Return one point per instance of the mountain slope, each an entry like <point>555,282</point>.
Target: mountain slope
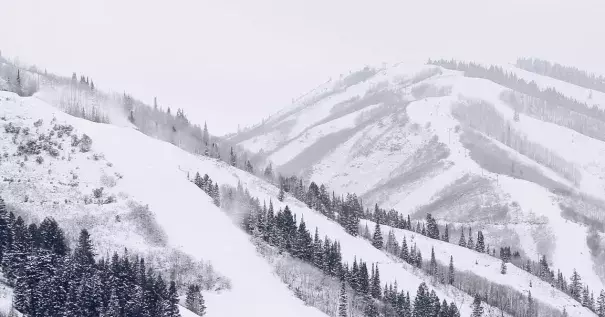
<point>422,138</point>
<point>151,176</point>
<point>156,175</point>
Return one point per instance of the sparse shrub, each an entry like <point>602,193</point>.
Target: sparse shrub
<point>64,128</point>
<point>110,200</point>
<point>53,152</point>
<point>108,181</point>
<point>97,192</point>
<point>31,147</point>
<point>97,156</point>
<point>75,141</point>
<point>87,200</point>
<point>38,123</point>
<point>85,143</point>
<point>39,159</point>
<point>51,133</point>
<point>26,131</point>
<point>10,128</point>
<point>109,164</point>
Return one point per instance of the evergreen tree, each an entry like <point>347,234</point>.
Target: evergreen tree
<point>477,308</point>
<point>84,255</point>
<point>194,301</point>
<point>233,158</point>
<point>371,310</point>
<point>575,287</point>
<point>451,273</point>
<point>281,194</point>
<point>453,311</point>
<point>377,241</point>
<point>342,301</point>
<point>531,310</point>
<point>446,234</point>
<point>422,302</point>
<point>206,136</point>
<point>376,289</point>
<point>600,309</point>
<point>470,244</point>
<point>480,247</point>
<point>433,267</point>
<point>405,252</point>
<point>462,241</point>
<point>503,268</point>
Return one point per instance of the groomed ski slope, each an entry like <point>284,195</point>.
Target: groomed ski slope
<point>188,216</point>
<point>489,268</point>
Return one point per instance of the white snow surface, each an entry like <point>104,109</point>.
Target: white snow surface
<point>155,173</point>
<point>386,161</point>
<point>488,267</point>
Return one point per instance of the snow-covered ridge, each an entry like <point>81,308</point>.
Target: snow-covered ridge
<point>191,222</point>
<point>421,151</point>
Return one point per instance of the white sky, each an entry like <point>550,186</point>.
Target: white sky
<point>234,62</point>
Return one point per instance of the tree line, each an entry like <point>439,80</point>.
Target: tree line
<point>568,74</point>
<point>331,205</point>
<point>498,75</point>
<point>50,279</point>
<point>282,230</point>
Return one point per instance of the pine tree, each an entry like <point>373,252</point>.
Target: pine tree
<point>503,268</point>
<point>342,301</point>
<point>194,301</point>
<point>575,287</point>
<point>405,252</point>
<point>462,241</point>
<point>233,158</point>
<point>371,310</point>
<point>453,311</point>
<point>531,310</point>
<point>470,244</point>
<point>433,267</point>
<point>477,308</point>
<point>5,234</point>
<point>446,234</point>
<point>422,302</point>
<point>281,194</point>
<point>600,305</point>
<point>377,240</point>
<point>480,247</point>
<point>171,308</point>
<point>451,273</point>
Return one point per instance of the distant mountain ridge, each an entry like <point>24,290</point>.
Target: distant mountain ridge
<point>499,148</point>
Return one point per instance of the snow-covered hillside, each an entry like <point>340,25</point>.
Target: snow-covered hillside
<point>151,173</point>
<point>423,138</point>
<point>393,134</point>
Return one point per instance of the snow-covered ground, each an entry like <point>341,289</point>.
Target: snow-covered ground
<point>153,175</point>
<point>411,157</point>
<point>488,267</point>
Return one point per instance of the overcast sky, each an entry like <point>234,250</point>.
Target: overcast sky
<point>234,62</point>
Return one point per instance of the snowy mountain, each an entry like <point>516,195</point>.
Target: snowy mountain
<point>514,153</point>
<point>378,133</point>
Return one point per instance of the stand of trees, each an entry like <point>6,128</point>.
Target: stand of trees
<point>512,81</point>
<point>332,206</point>
<point>568,74</point>
<point>49,279</point>
<point>281,229</point>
